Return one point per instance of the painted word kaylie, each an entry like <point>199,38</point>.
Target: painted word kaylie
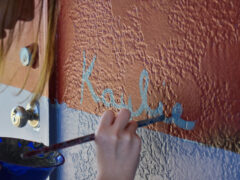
<point>176,111</point>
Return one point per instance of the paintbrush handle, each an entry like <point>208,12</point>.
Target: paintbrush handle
<point>147,122</point>
<point>85,139</point>
<point>61,145</point>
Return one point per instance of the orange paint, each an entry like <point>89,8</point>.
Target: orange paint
<point>190,46</point>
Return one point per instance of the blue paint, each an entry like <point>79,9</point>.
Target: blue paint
<point>40,155</point>
<point>176,111</point>
<point>0,140</point>
<point>31,145</point>
<point>19,144</point>
<point>176,118</point>
<point>85,76</point>
<point>163,83</point>
<point>14,171</point>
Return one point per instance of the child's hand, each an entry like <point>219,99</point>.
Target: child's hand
<point>118,146</point>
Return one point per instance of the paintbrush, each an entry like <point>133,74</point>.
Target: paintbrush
<point>84,139</point>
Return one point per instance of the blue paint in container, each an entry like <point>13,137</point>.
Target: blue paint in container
<point>13,167</point>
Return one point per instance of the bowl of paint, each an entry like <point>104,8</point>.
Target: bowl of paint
<point>13,166</point>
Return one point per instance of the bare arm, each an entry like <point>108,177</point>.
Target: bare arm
<point>118,146</point>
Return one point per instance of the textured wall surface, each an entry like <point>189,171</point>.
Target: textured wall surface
<point>177,57</point>
<point>162,156</point>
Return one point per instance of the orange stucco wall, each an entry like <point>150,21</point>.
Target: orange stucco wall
<point>190,50</point>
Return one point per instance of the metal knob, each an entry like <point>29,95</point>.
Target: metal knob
<point>26,54</point>
<point>21,116</point>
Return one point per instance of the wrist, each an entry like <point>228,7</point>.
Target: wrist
<point>102,176</point>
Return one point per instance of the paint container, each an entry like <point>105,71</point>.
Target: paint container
<point>38,167</point>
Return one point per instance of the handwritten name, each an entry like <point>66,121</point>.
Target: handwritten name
<point>176,110</point>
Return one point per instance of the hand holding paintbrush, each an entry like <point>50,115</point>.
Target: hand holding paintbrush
<point>117,144</point>
<point>85,139</point>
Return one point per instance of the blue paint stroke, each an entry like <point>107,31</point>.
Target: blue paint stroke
<point>85,76</point>
<point>163,83</point>
<point>19,144</point>
<point>176,118</point>
<point>176,111</point>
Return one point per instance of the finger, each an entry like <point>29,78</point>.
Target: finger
<point>122,119</point>
<point>132,127</point>
<point>107,119</point>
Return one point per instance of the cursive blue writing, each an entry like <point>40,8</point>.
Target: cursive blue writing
<point>176,111</point>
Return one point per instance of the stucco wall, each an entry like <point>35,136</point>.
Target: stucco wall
<point>162,156</point>
<point>177,57</point>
